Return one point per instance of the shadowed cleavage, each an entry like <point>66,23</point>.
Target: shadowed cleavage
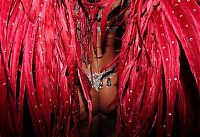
<point>104,113</point>
<point>104,91</point>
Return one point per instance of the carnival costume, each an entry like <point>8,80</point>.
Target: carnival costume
<point>44,42</point>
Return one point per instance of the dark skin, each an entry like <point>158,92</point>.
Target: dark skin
<point>104,112</point>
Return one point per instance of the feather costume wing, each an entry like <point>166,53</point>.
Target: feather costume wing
<point>40,63</point>
<point>38,58</point>
<point>159,55</point>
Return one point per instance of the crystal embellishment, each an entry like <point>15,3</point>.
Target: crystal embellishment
<point>96,79</point>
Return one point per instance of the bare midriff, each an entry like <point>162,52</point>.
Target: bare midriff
<point>103,100</point>
<point>104,113</point>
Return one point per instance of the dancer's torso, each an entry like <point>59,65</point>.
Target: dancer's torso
<point>103,99</point>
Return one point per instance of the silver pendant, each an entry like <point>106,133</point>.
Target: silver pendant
<point>109,82</point>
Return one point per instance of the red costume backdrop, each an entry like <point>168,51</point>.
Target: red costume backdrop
<point>42,45</point>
